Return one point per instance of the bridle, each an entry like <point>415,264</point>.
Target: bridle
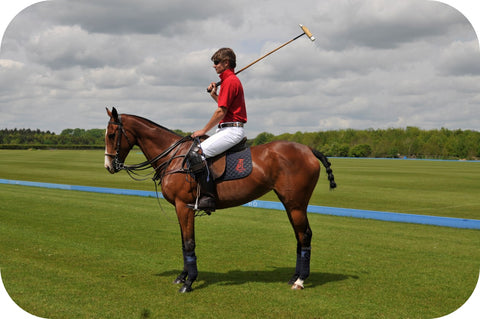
<point>117,165</point>
<point>160,171</point>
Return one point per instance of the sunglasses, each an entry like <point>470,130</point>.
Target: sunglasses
<point>216,62</point>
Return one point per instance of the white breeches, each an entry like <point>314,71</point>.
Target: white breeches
<point>222,140</point>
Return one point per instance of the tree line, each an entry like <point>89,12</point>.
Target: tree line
<point>411,142</point>
<point>68,138</point>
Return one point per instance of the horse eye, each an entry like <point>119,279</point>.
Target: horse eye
<point>111,136</point>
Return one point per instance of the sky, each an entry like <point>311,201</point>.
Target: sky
<point>375,64</point>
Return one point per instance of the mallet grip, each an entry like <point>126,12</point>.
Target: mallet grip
<point>217,84</point>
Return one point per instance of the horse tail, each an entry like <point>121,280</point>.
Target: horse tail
<point>327,165</point>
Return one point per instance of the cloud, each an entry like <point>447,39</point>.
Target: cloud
<point>55,49</point>
<point>460,59</point>
<point>375,63</point>
<point>169,17</point>
<point>389,24</point>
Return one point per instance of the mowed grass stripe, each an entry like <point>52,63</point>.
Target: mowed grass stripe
<point>68,254</point>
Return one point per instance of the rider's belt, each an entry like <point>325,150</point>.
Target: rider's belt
<point>230,124</point>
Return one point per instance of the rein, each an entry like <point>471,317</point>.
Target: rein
<point>160,171</point>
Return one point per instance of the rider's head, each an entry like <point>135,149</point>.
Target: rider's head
<point>225,54</point>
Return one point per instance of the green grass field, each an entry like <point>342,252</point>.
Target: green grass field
<point>67,254</point>
<point>437,188</point>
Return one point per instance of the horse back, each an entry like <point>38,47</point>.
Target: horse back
<point>280,154</point>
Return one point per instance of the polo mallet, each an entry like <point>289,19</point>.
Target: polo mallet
<point>305,31</point>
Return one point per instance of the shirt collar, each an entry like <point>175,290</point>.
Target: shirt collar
<point>225,74</point>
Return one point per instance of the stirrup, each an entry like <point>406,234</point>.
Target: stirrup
<point>203,202</point>
<point>206,208</point>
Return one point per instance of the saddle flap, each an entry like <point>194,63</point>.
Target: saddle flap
<point>232,165</point>
<point>216,165</point>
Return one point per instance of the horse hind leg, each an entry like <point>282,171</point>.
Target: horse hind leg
<point>302,267</point>
<point>296,206</point>
<point>303,234</point>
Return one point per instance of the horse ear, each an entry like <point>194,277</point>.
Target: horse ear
<point>108,112</point>
<point>114,114</point>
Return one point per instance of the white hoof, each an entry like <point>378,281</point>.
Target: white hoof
<point>298,285</point>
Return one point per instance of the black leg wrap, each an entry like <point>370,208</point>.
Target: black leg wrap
<point>190,272</point>
<point>303,260</point>
<point>191,265</point>
<point>302,267</point>
<point>298,267</point>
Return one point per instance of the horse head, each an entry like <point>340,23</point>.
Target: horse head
<point>117,142</point>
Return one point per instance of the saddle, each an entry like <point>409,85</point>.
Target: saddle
<point>235,163</point>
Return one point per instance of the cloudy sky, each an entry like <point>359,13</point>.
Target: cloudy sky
<point>374,64</point>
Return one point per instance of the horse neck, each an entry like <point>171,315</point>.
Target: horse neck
<point>151,138</point>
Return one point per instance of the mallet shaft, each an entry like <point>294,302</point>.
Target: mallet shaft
<point>264,56</point>
<point>305,31</point>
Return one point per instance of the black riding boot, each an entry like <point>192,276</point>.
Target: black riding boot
<point>199,169</point>
<point>206,201</point>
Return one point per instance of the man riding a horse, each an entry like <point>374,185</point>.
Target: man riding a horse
<point>289,169</point>
<point>230,117</point>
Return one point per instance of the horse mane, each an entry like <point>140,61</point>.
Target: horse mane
<point>154,124</point>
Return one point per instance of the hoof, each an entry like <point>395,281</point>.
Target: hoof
<point>179,281</point>
<point>298,285</point>
<point>185,288</point>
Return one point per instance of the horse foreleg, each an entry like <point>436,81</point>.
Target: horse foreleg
<point>190,272</point>
<point>187,260</point>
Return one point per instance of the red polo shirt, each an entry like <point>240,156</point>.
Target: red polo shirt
<point>231,97</point>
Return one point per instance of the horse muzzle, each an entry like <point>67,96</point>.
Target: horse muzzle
<point>112,164</point>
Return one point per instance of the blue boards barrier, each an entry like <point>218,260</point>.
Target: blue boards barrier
<point>324,210</point>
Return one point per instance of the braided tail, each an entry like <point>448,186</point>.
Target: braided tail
<point>327,165</point>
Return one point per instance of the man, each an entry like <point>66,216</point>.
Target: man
<point>229,117</point>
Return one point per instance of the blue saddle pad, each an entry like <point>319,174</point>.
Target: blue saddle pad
<point>238,165</point>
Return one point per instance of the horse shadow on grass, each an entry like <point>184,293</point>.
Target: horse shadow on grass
<point>240,277</point>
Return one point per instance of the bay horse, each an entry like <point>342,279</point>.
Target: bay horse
<point>290,169</point>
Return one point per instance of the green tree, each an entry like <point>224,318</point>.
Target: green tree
<point>263,138</point>
<point>361,150</point>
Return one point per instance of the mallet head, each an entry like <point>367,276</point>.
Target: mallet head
<point>307,32</point>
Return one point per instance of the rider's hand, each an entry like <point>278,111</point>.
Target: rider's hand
<point>198,133</point>
<point>212,88</point>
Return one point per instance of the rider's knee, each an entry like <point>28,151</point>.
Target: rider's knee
<point>195,160</point>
